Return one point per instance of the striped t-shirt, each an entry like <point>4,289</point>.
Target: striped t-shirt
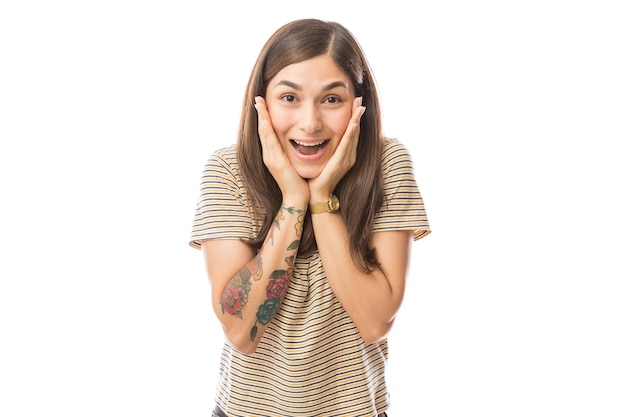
<point>311,361</point>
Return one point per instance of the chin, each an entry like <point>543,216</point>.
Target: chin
<point>308,174</point>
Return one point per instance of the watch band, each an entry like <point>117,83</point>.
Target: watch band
<point>329,206</point>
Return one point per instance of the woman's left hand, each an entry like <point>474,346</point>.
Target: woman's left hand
<point>343,159</point>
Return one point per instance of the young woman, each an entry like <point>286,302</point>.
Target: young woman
<point>306,227</point>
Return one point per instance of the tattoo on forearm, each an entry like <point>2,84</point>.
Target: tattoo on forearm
<point>235,295</point>
<point>275,291</point>
<point>281,216</point>
<point>279,279</point>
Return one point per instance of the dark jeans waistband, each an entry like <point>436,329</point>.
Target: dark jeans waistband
<point>217,412</point>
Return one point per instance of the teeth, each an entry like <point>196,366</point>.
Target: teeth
<point>309,144</point>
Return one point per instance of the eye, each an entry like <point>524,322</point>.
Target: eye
<point>333,100</point>
<point>289,98</point>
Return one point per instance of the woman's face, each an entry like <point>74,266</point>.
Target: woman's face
<point>310,104</point>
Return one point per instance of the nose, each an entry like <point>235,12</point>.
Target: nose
<point>310,118</point>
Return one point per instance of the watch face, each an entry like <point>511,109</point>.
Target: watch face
<point>334,203</point>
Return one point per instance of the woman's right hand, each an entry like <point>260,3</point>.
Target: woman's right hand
<point>274,156</point>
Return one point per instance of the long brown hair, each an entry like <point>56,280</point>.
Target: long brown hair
<point>361,189</point>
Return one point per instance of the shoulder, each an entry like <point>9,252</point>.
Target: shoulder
<point>394,152</point>
<point>222,168</point>
<point>227,154</point>
<point>223,159</point>
<point>392,143</point>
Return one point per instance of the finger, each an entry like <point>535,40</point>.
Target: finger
<point>263,118</point>
<point>261,107</point>
<point>357,109</point>
<point>355,119</point>
<point>351,135</point>
<point>273,154</point>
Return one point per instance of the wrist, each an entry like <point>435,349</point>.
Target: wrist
<point>299,200</point>
<point>329,204</point>
<point>317,196</point>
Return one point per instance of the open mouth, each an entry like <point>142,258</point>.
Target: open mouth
<point>309,148</point>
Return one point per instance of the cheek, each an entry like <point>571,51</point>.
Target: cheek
<point>339,121</point>
<point>280,120</point>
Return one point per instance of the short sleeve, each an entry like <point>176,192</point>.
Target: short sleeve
<point>403,208</point>
<point>222,211</point>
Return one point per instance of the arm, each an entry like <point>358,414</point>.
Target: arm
<point>371,300</point>
<point>247,288</point>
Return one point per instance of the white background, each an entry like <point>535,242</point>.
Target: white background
<point>515,116</point>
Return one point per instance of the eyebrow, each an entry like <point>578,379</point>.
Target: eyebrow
<point>299,88</point>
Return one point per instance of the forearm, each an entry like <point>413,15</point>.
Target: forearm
<point>252,297</point>
<point>368,298</point>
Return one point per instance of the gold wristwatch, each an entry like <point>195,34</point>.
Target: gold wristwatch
<point>329,206</point>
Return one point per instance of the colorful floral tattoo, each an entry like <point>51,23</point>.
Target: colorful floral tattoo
<point>279,279</point>
<point>276,290</point>
<point>235,295</point>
